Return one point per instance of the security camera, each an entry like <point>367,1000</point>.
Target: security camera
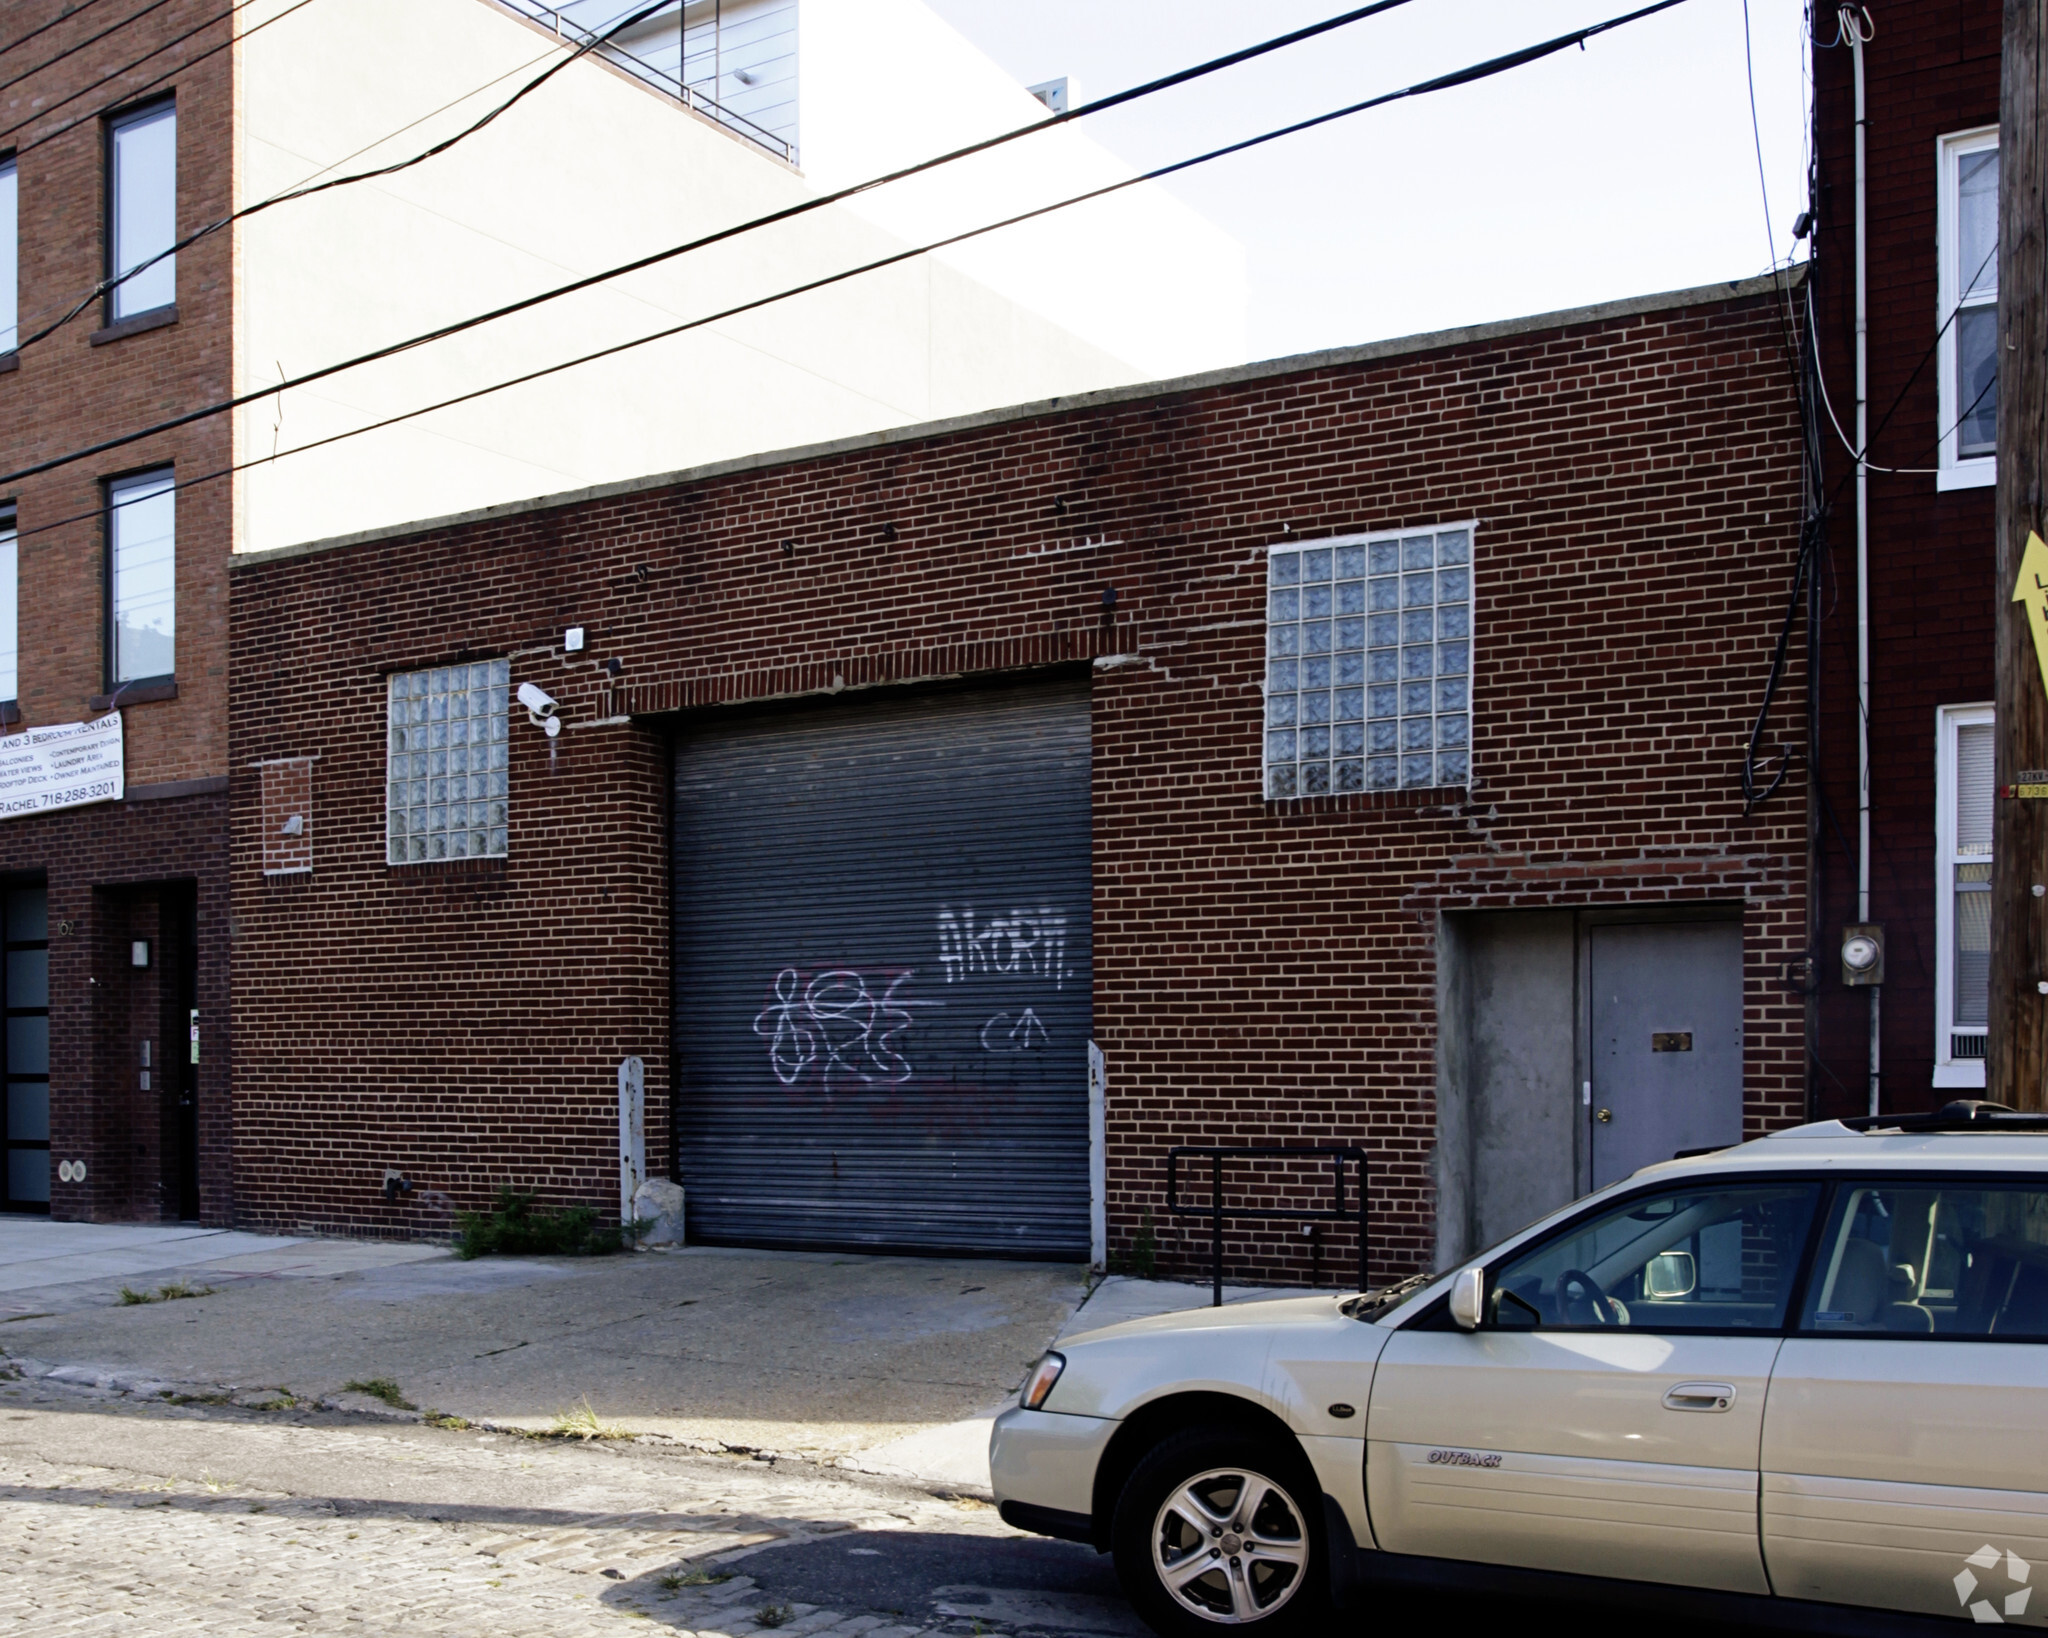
<point>540,708</point>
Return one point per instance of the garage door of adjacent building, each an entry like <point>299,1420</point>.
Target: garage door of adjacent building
<point>882,983</point>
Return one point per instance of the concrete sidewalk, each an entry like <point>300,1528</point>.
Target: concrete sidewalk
<point>889,1364</point>
<point>67,1265</point>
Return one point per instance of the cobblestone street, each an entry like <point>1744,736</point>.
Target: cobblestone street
<point>116,1517</point>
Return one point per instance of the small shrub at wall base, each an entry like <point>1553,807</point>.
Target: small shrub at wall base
<point>1142,1260</point>
<point>515,1227</point>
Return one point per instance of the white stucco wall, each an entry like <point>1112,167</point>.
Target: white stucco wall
<point>593,170</point>
<point>887,83</point>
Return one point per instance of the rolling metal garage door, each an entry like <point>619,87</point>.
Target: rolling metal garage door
<point>882,973</point>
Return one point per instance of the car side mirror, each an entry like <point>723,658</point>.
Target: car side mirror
<point>1670,1274</point>
<point>1468,1298</point>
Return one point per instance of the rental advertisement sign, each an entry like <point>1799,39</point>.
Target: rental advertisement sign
<point>64,766</point>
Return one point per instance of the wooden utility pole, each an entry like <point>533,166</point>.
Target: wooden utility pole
<point>2016,1070</point>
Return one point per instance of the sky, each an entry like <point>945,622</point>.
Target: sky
<point>1628,168</point>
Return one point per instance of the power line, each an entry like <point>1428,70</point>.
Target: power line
<point>1443,82</point>
<point>1214,65</point>
<point>311,188</point>
<point>62,17</point>
<point>92,39</point>
<point>1757,135</point>
<point>1942,438</point>
<point>135,91</point>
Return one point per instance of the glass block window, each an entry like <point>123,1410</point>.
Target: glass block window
<point>1369,663</point>
<point>447,772</point>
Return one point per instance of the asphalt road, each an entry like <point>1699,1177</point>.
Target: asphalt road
<point>1018,1584</point>
<point>117,1515</point>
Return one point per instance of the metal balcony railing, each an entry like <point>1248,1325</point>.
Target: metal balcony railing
<point>690,96</point>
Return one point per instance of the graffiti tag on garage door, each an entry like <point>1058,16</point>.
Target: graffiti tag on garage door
<point>841,1023</point>
<point>1029,943</point>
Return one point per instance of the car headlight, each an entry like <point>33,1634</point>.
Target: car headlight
<point>1039,1383</point>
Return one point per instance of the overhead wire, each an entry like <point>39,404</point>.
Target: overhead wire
<point>1756,787</point>
<point>819,202</point>
<point>132,92</point>
<point>1900,397</point>
<point>63,16</point>
<point>1442,82</point>
<point>306,190</point>
<point>1466,76</point>
<point>78,46</point>
<point>1752,777</point>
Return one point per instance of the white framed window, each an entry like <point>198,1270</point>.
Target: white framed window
<point>1369,662</point>
<point>10,638</point>
<point>1962,906</point>
<point>446,767</point>
<point>10,255</point>
<point>1968,252</point>
<point>142,577</point>
<point>142,209</point>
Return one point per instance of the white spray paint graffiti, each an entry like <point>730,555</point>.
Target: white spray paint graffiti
<point>1029,942</point>
<point>839,1024</point>
<point>1014,1032</point>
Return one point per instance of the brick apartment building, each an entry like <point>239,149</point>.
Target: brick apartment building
<point>125,134</point>
<point>1343,749</point>
<point>116,972</point>
<point>1931,72</point>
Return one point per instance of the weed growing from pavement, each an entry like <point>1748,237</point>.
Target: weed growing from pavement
<point>773,1615</point>
<point>676,1580</point>
<point>381,1387</point>
<point>441,1419</point>
<point>176,1291</point>
<point>1142,1260</point>
<point>516,1227</point>
<point>584,1423</point>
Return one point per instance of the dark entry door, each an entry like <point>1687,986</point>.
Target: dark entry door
<point>1667,1042</point>
<point>25,992</point>
<point>882,1002</point>
<point>180,1048</point>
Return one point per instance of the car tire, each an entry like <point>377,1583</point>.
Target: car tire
<point>1270,1579</point>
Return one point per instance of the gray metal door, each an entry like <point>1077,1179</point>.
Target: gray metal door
<point>882,978</point>
<point>1667,1042</point>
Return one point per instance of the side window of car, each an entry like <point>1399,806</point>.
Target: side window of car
<point>1703,1258</point>
<point>1932,1259</point>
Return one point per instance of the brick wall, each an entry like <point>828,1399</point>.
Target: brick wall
<point>1931,70</point>
<point>1263,971</point>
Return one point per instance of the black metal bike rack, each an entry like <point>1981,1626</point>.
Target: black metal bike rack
<point>1336,1212</point>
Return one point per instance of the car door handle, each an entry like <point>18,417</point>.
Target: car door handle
<point>1700,1396</point>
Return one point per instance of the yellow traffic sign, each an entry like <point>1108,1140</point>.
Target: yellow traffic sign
<point>2032,590</point>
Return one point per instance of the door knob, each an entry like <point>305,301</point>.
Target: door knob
<point>1604,1116</point>
<point>1700,1396</point>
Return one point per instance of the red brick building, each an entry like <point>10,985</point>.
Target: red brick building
<point>890,775</point>
<point>1931,182</point>
<point>116,986</point>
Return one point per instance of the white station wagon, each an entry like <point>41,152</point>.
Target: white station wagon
<point>1803,1373</point>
